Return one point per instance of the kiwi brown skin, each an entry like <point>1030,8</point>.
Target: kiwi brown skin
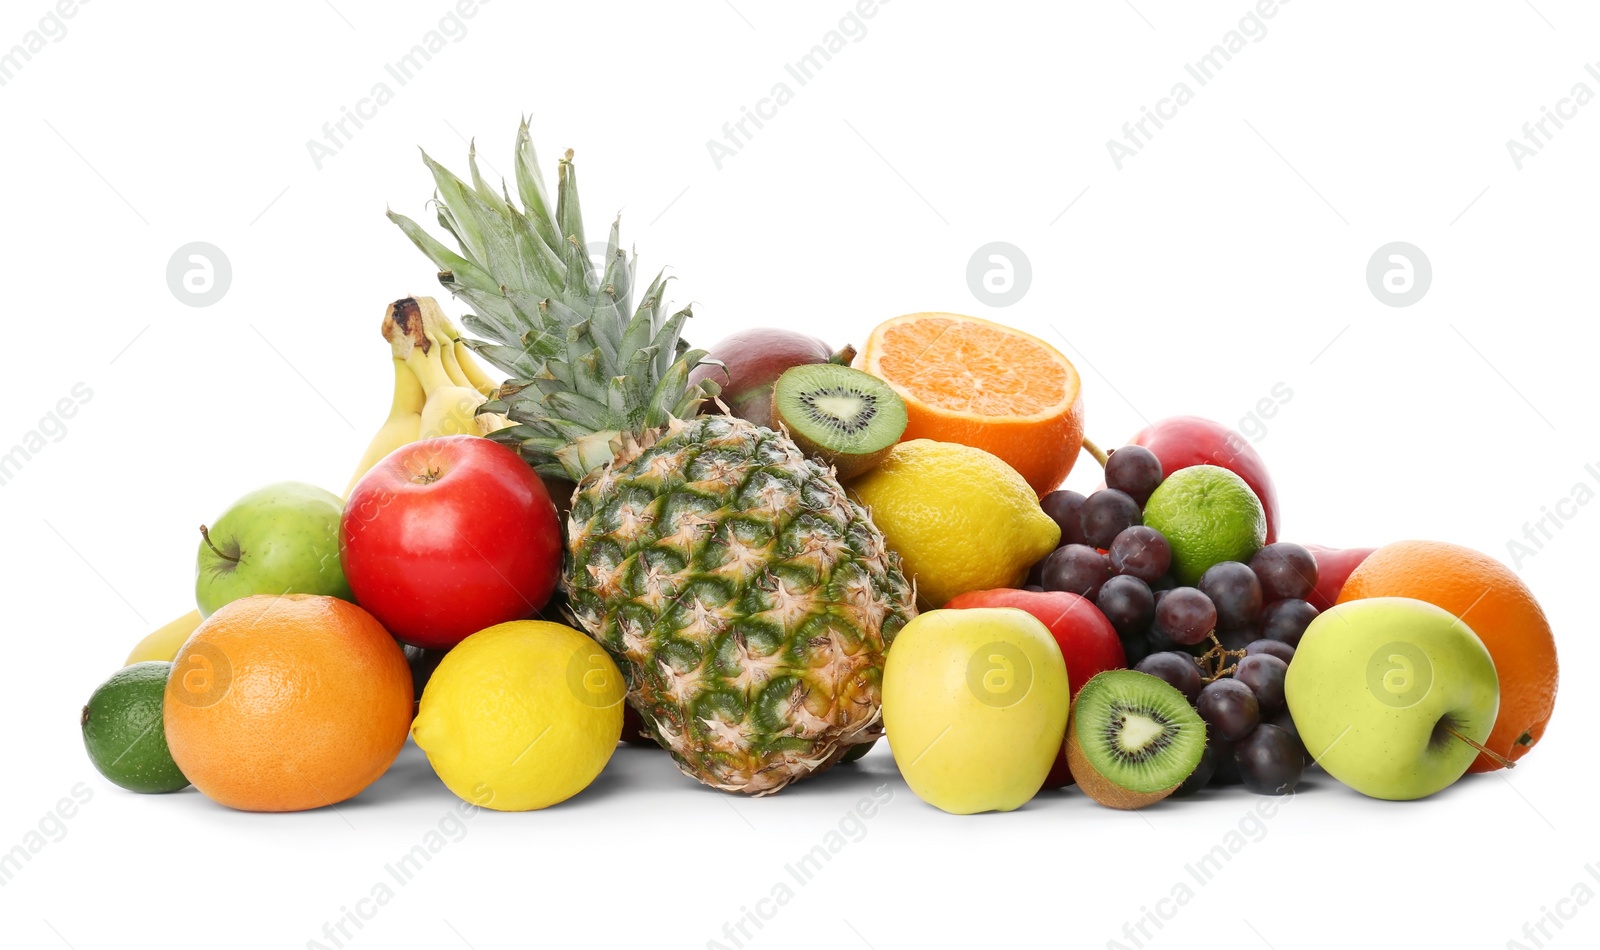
<point>845,467</point>
<point>1097,786</point>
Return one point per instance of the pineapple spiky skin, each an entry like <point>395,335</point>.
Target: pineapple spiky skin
<point>747,599</point>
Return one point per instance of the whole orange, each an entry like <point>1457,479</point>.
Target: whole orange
<point>287,703</point>
<point>1488,597</point>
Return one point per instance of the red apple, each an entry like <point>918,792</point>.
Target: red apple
<point>1088,642</point>
<point>1334,566</point>
<point>1182,441</point>
<point>752,360</point>
<point>447,536</point>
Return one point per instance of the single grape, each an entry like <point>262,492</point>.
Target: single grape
<point>1270,761</point>
<point>1277,648</point>
<point>1284,721</point>
<point>1127,603</point>
<point>1106,514</point>
<point>1076,568</point>
<point>1287,620</point>
<point>1065,508</point>
<point>1133,470</point>
<point>1179,669</point>
<point>1264,675</point>
<point>1201,776</point>
<point>1286,571</point>
<point>1036,572</point>
<point>1135,648</point>
<point>1239,638</point>
<point>1227,770</point>
<point>1236,592</point>
<point>1185,616</point>
<point>1229,708</point>
<point>1159,643</point>
<point>1141,552</point>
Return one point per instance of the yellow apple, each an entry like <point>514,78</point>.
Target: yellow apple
<point>975,706</point>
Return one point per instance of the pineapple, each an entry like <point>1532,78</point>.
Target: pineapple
<point>748,601</point>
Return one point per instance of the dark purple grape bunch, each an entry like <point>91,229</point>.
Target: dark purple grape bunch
<point>1107,554</point>
<point>1226,643</point>
<point>1233,638</point>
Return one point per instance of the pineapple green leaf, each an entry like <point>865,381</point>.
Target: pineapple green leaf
<point>482,187</point>
<point>569,216</point>
<point>465,272</point>
<point>452,193</point>
<point>587,360</point>
<point>530,187</point>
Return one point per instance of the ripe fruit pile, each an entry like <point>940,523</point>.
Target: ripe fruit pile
<point>775,553</point>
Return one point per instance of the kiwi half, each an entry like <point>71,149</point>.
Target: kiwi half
<point>839,415</point>
<point>1132,739</point>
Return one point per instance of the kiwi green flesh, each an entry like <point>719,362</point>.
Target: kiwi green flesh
<point>1137,732</point>
<point>839,414</point>
<point>1101,789</point>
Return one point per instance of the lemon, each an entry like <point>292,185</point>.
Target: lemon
<point>960,518</point>
<point>1208,515</point>
<point>521,716</point>
<point>163,644</point>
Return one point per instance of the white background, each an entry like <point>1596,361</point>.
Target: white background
<point>1227,257</point>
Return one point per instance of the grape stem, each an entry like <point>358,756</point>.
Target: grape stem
<point>1100,455</point>
<point>1492,755</point>
<point>1216,663</point>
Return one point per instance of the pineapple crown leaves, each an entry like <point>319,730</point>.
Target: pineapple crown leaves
<point>586,366</point>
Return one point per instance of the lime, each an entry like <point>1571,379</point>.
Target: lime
<point>1208,515</point>
<point>123,731</point>
<point>960,519</point>
<point>521,716</point>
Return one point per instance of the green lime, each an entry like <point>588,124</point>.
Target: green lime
<point>122,729</point>
<point>1208,515</point>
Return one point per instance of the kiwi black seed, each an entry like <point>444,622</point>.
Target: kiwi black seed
<point>1132,739</point>
<point>839,415</point>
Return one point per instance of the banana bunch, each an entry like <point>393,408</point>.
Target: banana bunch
<point>438,383</point>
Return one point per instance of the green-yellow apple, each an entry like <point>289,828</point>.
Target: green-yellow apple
<point>975,706</point>
<point>1389,694</point>
<point>282,539</point>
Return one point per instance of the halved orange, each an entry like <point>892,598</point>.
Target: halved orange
<point>985,385</point>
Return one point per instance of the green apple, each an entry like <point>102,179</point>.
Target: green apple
<point>1390,693</point>
<point>282,539</point>
<point>975,706</point>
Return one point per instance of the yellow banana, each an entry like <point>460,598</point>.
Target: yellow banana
<point>163,644</point>
<point>403,426</point>
<point>412,329</point>
<point>452,368</point>
<point>459,363</point>
<point>471,370</point>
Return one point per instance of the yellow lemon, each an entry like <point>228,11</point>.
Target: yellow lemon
<point>521,716</point>
<point>163,644</point>
<point>960,518</point>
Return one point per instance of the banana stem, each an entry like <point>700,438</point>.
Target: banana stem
<point>1100,455</point>
<point>1493,756</point>
<point>206,534</point>
<point>845,356</point>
